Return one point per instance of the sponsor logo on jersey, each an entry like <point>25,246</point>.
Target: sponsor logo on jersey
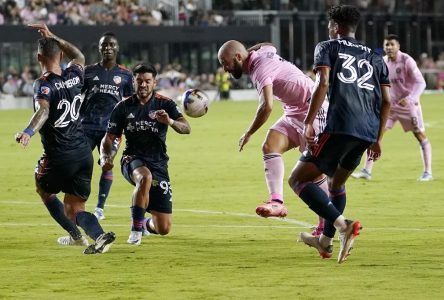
<point>398,70</point>
<point>44,90</point>
<point>130,116</point>
<point>96,78</point>
<point>117,79</point>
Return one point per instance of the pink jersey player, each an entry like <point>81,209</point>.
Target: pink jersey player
<point>273,77</point>
<point>407,85</point>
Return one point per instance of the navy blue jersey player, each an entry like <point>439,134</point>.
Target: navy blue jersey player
<point>66,164</point>
<point>356,81</point>
<point>106,84</point>
<point>144,119</point>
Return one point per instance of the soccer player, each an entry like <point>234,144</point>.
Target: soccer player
<point>106,83</point>
<point>67,162</point>
<point>274,76</point>
<point>144,119</point>
<point>357,83</point>
<point>407,84</point>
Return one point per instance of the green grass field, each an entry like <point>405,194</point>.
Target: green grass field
<point>218,248</point>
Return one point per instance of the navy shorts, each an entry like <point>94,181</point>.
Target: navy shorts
<point>336,150</point>
<point>161,194</point>
<point>70,177</point>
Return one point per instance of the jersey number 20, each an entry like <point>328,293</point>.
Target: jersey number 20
<point>348,65</point>
<point>68,108</point>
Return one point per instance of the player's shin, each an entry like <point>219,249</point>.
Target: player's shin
<point>105,183</point>
<point>57,212</point>
<point>317,200</point>
<point>274,175</point>
<point>89,224</point>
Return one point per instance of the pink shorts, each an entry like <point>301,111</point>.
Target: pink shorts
<point>409,116</point>
<point>292,126</point>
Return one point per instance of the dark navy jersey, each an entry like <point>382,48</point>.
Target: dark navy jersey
<point>356,76</point>
<point>145,137</point>
<point>103,90</point>
<point>62,135</point>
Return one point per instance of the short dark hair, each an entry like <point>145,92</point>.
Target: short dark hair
<point>145,68</point>
<point>48,47</point>
<point>345,15</point>
<point>392,37</point>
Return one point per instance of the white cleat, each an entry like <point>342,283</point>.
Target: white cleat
<point>364,174</point>
<point>69,241</point>
<point>135,238</point>
<point>99,213</point>
<point>426,176</point>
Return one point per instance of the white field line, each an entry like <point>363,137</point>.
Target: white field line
<point>301,224</point>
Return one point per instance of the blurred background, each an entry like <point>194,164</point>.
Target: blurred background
<point>182,37</point>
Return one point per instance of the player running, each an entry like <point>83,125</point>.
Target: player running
<point>274,77</point>
<point>407,85</point>
<point>357,83</point>
<point>106,84</point>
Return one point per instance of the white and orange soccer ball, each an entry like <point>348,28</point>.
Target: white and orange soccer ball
<point>195,103</point>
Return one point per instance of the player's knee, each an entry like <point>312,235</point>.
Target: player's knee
<point>163,229</point>
<point>145,181</point>
<point>266,148</point>
<point>295,184</point>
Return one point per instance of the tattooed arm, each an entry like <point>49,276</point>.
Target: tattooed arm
<point>35,124</point>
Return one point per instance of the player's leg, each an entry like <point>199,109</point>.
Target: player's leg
<point>160,204</point>
<point>326,159</point>
<point>136,172</point>
<point>77,191</point>
<point>426,155</point>
<point>159,223</point>
<point>105,182</point>
<point>424,143</point>
<point>281,137</point>
<point>47,185</point>
<point>322,182</point>
<point>348,162</point>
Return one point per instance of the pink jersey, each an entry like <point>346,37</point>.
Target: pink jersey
<point>290,85</point>
<point>405,78</point>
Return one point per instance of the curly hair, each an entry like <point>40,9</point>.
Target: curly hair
<point>345,15</point>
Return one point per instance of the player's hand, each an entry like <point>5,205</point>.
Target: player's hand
<point>42,29</point>
<point>22,138</point>
<point>403,102</point>
<point>162,116</point>
<point>106,163</point>
<point>374,151</point>
<point>310,137</point>
<point>244,140</point>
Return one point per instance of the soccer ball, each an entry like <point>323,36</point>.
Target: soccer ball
<point>195,103</point>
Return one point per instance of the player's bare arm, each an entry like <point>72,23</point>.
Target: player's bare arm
<point>258,46</point>
<point>107,153</point>
<point>319,93</point>
<point>71,51</point>
<point>180,125</point>
<point>37,121</point>
<point>262,113</point>
<point>375,150</point>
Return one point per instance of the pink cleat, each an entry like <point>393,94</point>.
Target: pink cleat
<point>317,231</point>
<point>272,208</point>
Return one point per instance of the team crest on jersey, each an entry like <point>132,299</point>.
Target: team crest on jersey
<point>398,70</point>
<point>117,79</point>
<point>44,90</point>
